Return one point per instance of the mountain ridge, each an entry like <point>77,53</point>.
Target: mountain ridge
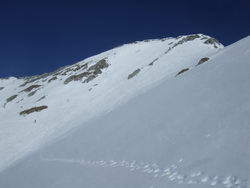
<point>180,112</point>
<point>30,94</point>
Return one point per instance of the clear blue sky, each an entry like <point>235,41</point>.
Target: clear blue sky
<point>38,36</point>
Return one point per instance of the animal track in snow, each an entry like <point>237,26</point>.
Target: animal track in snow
<point>173,172</point>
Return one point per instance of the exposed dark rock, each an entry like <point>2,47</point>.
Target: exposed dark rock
<point>135,42</point>
<point>83,67</point>
<point>53,78</point>
<point>32,79</point>
<point>152,63</point>
<point>191,37</point>
<point>183,40</point>
<point>11,98</point>
<point>76,77</point>
<point>202,60</point>
<point>134,73</point>
<point>97,71</point>
<point>91,77</point>
<point>80,76</point>
<point>169,49</point>
<point>90,74</point>
<point>34,109</point>
<point>43,97</point>
<point>69,79</point>
<point>28,89</point>
<point>99,65</point>
<point>203,38</point>
<point>1,88</point>
<point>32,93</point>
<point>182,71</point>
<point>65,72</point>
<point>61,71</point>
<point>164,39</point>
<point>212,41</point>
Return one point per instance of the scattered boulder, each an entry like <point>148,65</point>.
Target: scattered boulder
<point>182,71</point>
<point>134,73</point>
<point>202,60</point>
<point>34,109</point>
<point>11,98</point>
<point>1,88</point>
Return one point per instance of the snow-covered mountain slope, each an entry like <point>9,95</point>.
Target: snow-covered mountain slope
<point>182,122</point>
<point>35,110</point>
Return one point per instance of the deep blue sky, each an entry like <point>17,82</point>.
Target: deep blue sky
<point>41,36</point>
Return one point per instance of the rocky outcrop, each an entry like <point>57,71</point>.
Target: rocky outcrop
<point>28,89</point>
<point>152,63</point>
<point>53,78</point>
<point>202,60</point>
<point>182,71</point>
<point>34,109</point>
<point>32,93</point>
<point>184,39</point>
<point>91,73</point>
<point>134,73</point>
<point>43,97</point>
<point>99,66</point>
<point>61,71</point>
<point>76,77</point>
<point>11,98</point>
<point>212,41</point>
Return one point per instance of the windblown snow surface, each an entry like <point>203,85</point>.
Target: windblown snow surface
<point>147,116</point>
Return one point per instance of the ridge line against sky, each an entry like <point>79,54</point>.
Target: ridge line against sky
<point>41,36</point>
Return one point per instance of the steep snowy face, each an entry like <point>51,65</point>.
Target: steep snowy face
<point>35,110</point>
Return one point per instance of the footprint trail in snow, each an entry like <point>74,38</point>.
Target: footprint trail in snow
<point>172,172</point>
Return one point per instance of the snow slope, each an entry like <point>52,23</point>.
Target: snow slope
<point>153,130</point>
<point>75,94</point>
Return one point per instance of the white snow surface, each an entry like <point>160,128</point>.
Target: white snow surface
<point>153,130</point>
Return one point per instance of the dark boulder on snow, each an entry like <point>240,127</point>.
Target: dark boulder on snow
<point>134,73</point>
<point>11,98</point>
<point>182,71</point>
<point>34,109</point>
<point>202,60</point>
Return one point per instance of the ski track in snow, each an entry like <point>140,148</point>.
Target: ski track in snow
<point>172,173</point>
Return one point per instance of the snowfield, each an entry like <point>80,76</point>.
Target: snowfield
<point>173,113</point>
